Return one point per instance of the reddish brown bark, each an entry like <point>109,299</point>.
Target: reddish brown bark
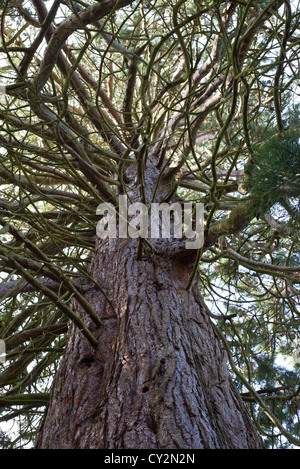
<point>159,377</point>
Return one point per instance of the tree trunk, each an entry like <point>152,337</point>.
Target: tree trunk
<point>158,378</point>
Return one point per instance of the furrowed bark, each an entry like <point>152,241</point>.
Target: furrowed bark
<point>158,378</point>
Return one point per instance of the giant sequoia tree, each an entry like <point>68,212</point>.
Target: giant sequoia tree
<point>109,342</point>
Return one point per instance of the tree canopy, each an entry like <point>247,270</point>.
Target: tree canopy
<point>209,91</point>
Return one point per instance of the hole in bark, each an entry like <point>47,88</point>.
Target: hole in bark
<point>86,362</point>
<point>92,326</point>
<point>159,286</point>
<point>145,389</point>
<point>162,366</point>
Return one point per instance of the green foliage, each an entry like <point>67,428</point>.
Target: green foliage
<point>275,174</point>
